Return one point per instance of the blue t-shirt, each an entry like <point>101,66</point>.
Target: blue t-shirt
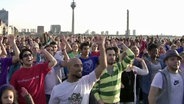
<point>89,65</point>
<point>180,49</point>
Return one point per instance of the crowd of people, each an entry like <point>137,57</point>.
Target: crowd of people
<point>75,69</point>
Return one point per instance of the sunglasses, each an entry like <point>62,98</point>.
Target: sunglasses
<point>26,55</point>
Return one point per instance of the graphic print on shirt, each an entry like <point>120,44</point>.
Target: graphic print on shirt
<point>75,98</point>
<point>176,82</point>
<point>28,79</point>
<point>88,66</point>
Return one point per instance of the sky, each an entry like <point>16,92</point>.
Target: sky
<point>147,17</point>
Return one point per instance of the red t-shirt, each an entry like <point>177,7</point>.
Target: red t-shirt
<point>95,53</point>
<point>33,80</point>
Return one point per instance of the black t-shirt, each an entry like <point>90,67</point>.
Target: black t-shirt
<point>127,93</point>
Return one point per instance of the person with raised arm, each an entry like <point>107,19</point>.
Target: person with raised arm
<point>76,89</point>
<point>32,77</point>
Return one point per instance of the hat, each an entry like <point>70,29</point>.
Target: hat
<point>172,53</point>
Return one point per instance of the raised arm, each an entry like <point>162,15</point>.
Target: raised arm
<point>4,52</point>
<point>66,57</point>
<point>144,70</point>
<point>68,46</point>
<point>12,39</point>
<point>52,60</point>
<point>102,58</point>
<point>126,57</point>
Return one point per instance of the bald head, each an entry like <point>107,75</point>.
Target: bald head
<point>73,61</point>
<point>75,68</point>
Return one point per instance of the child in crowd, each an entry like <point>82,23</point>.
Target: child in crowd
<point>8,95</point>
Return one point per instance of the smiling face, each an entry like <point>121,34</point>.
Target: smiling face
<point>75,47</point>
<point>135,50</point>
<point>7,97</point>
<point>94,47</point>
<point>55,47</point>
<point>27,59</point>
<point>75,68</point>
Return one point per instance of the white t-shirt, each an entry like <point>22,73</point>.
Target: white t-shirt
<point>176,86</point>
<point>59,56</point>
<point>73,93</point>
<point>50,81</point>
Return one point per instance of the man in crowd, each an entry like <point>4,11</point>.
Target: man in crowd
<point>76,89</point>
<point>168,85</point>
<point>107,89</point>
<point>32,77</point>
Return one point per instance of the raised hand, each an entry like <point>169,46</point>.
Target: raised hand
<point>1,39</point>
<point>63,38</point>
<point>62,45</point>
<point>11,39</point>
<point>100,40</point>
<point>24,92</point>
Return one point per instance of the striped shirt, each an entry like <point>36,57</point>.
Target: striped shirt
<point>108,87</point>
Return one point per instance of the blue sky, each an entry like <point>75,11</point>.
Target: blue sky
<point>146,16</point>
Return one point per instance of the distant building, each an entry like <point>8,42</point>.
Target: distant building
<point>33,30</point>
<point>3,28</point>
<point>117,32</point>
<point>106,32</point>
<point>4,16</point>
<point>23,30</point>
<point>12,30</point>
<point>102,32</point>
<point>134,32</point>
<point>3,22</point>
<point>55,29</point>
<point>40,29</point>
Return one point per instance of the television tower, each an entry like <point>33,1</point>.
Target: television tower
<point>127,31</point>
<point>73,5</point>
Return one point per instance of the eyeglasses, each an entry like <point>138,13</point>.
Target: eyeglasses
<point>26,55</point>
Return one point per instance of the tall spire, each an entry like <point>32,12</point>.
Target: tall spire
<point>127,31</point>
<point>73,5</point>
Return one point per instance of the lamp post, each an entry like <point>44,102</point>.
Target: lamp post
<point>73,5</point>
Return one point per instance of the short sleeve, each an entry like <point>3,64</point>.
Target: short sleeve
<point>157,81</point>
<point>44,67</point>
<point>90,78</point>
